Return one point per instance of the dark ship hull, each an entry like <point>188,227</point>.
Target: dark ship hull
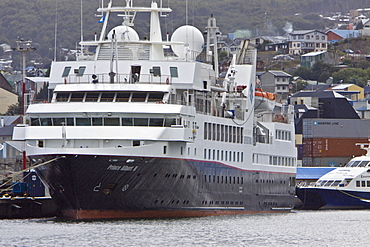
<point>319,198</point>
<point>105,187</point>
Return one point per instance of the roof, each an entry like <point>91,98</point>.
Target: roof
<point>7,130</point>
<point>340,86</point>
<point>279,73</point>
<point>312,172</point>
<point>302,32</point>
<point>8,120</point>
<point>313,54</point>
<point>345,33</point>
<point>319,94</point>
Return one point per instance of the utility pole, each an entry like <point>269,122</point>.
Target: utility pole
<point>24,46</point>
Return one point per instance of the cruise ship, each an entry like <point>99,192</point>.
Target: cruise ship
<point>143,127</point>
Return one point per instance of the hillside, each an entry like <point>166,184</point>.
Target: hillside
<point>35,19</point>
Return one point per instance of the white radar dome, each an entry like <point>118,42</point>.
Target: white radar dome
<point>124,33</point>
<point>193,42</point>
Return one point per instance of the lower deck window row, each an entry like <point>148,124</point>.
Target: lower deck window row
<point>221,155</point>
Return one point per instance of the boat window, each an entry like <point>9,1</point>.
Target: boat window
<point>349,164</point>
<point>62,97</point>
<point>328,183</point>
<point>123,97</point>
<point>169,121</point>
<point>111,121</point>
<point>66,71</point>
<point>358,183</point>
<point>81,70</point>
<point>70,121</point>
<point>323,182</point>
<point>363,163</point>
<point>355,163</point>
<point>35,122</point>
<point>59,121</point>
<point>83,122</point>
<point>45,121</point>
<point>141,121</point>
<point>157,122</point>
<point>77,97</point>
<point>174,72</point>
<point>138,97</point>
<point>92,97</point>
<point>107,97</point>
<point>155,97</point>
<point>157,71</point>
<point>97,121</point>
<point>127,122</point>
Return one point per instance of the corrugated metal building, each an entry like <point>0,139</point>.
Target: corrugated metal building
<point>332,142</point>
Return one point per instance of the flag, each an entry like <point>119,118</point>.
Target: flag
<point>102,19</point>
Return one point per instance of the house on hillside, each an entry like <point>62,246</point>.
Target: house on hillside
<point>309,59</point>
<point>351,91</point>
<point>7,96</point>
<point>365,31</point>
<point>335,35</point>
<point>304,41</point>
<point>276,82</point>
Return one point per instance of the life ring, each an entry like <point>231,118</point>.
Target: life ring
<point>45,101</point>
<point>280,117</point>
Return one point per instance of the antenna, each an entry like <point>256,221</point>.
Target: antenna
<point>55,30</point>
<point>82,34</point>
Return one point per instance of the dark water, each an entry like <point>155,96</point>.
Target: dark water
<point>299,228</point>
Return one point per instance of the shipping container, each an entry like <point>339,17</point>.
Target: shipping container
<point>332,147</point>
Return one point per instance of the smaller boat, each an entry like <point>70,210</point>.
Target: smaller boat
<point>264,101</point>
<point>342,188</point>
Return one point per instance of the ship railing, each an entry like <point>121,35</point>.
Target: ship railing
<point>107,78</point>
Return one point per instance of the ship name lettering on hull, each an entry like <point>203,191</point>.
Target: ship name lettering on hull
<point>122,168</point>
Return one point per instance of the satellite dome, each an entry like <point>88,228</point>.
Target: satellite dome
<point>193,41</point>
<point>124,33</point>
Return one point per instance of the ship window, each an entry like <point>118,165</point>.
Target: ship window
<point>70,121</point>
<point>107,97</point>
<point>336,182</point>
<point>138,97</point>
<point>111,121</point>
<point>157,71</point>
<point>174,72</point>
<point>35,122</point>
<point>41,144</point>
<point>135,143</point>
<point>169,121</point>
<point>363,163</point>
<point>141,121</point>
<point>59,121</point>
<point>66,71</point>
<point>164,149</point>
<point>45,121</point>
<point>83,122</point>
<point>77,97</point>
<point>123,97</point>
<point>157,122</point>
<point>355,163</point>
<point>127,122</point>
<point>62,97</point>
<point>358,183</point>
<point>155,97</point>
<point>368,183</point>
<point>81,70</point>
<point>363,183</point>
<point>92,97</point>
<point>97,121</point>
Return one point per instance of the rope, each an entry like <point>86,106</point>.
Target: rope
<point>31,167</point>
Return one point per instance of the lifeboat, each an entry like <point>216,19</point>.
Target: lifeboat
<point>264,101</point>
